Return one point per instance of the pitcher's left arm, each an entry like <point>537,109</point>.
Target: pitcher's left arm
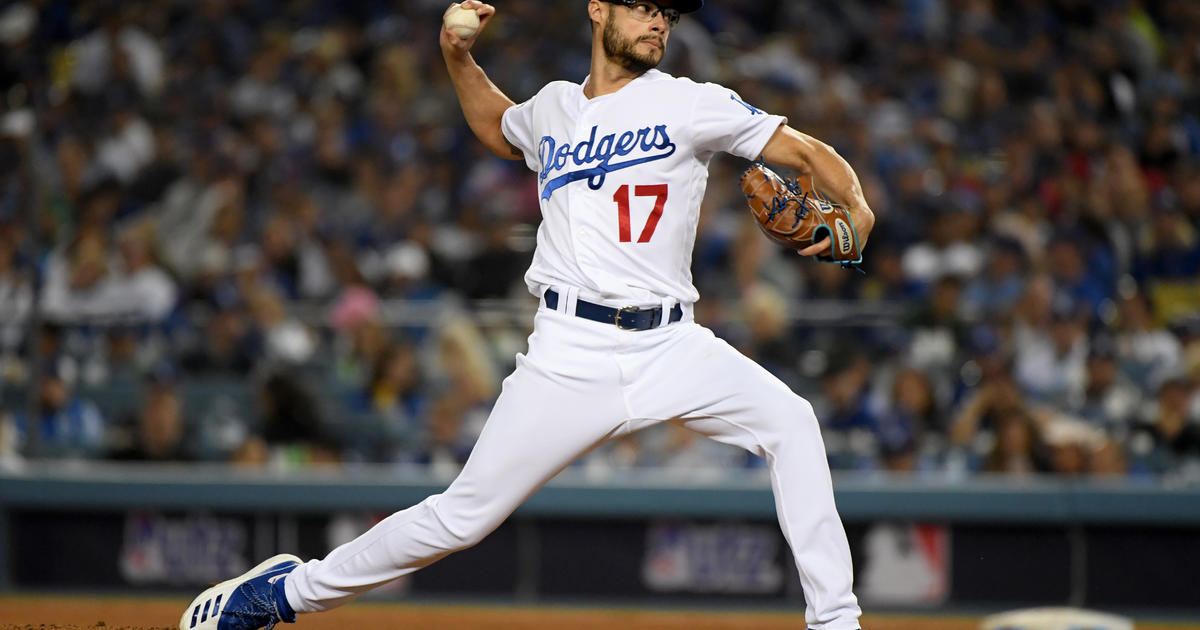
<point>808,155</point>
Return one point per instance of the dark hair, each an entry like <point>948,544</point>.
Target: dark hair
<point>290,410</point>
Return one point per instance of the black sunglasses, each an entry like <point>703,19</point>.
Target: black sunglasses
<point>646,11</point>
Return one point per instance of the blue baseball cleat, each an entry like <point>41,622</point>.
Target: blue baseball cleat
<point>250,601</point>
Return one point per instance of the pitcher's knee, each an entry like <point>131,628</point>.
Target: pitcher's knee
<point>462,528</point>
<point>464,534</point>
<point>804,409</point>
<point>790,410</point>
<point>791,417</point>
<point>469,537</point>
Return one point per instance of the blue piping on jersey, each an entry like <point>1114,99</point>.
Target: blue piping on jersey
<point>754,111</point>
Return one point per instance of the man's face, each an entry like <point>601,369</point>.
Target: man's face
<point>636,46</point>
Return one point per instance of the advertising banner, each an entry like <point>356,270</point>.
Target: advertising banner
<point>897,564</point>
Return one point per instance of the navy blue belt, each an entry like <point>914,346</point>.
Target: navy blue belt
<point>627,318</point>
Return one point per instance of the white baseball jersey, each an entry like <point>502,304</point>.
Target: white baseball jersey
<point>621,177</point>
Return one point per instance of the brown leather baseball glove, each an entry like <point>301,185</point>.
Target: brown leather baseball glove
<point>796,218</point>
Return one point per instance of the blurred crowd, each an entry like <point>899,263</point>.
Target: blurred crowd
<point>260,231</point>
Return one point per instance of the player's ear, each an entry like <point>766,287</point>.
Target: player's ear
<point>596,13</point>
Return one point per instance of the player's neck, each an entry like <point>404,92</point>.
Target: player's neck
<point>607,77</point>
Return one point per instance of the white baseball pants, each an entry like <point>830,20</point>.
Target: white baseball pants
<point>581,384</point>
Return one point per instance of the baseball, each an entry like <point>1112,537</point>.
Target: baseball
<point>462,22</point>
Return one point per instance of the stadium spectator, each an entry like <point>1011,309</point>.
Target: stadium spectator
<point>158,430</point>
<point>1170,247</point>
<point>396,393</point>
<point>1074,447</point>
<point>223,346</point>
<point>78,285</point>
<point>1053,371</point>
<point>1015,449</point>
<point>936,328</point>
<point>1109,399</point>
<point>117,52</point>
<point>1169,435</point>
<point>63,425</point>
<point>464,363</point>
<point>951,249</point>
<point>16,296</point>
<point>981,414</point>
<point>359,336</point>
<point>138,280</point>
<point>284,338</point>
<point>1082,278</point>
<point>997,289</point>
<point>768,339</point>
<point>848,422</point>
<point>909,429</point>
<point>1148,353</point>
<point>449,441</point>
<point>294,432</point>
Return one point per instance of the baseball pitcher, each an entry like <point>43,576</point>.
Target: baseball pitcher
<point>621,161</point>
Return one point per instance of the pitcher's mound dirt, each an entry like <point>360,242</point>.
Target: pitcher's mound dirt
<point>100,613</point>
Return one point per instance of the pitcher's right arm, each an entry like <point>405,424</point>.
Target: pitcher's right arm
<point>482,102</point>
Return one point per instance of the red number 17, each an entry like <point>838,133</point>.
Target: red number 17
<point>659,191</point>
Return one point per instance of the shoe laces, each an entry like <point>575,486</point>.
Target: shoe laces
<point>263,603</point>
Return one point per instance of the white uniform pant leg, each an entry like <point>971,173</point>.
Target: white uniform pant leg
<point>726,396</point>
<point>562,400</point>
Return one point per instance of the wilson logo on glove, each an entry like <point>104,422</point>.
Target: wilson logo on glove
<point>845,239</point>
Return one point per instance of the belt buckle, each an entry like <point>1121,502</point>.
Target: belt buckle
<point>631,309</point>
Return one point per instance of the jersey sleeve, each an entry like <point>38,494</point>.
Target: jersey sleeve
<point>517,126</point>
<point>722,121</point>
